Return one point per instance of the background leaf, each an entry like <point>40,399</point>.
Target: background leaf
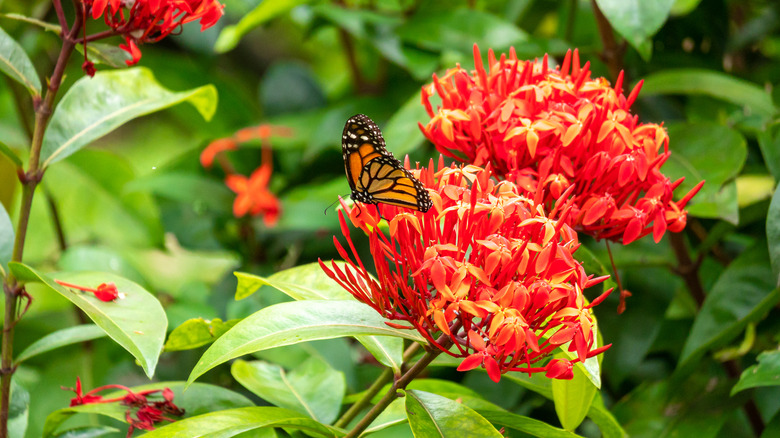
<point>431,415</point>
<point>7,237</point>
<point>61,338</point>
<point>765,373</point>
<point>573,399</point>
<point>636,20</point>
<point>773,235</point>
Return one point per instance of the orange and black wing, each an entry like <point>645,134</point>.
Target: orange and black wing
<point>361,142</point>
<point>384,180</point>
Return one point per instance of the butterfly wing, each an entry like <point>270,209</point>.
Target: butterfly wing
<point>361,142</point>
<point>385,180</point>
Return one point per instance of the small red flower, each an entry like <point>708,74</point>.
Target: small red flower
<point>149,21</point>
<point>488,269</point>
<point>105,291</point>
<point>253,196</point>
<point>550,129</point>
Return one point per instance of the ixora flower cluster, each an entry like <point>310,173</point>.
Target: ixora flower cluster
<point>486,268</point>
<point>141,413</point>
<point>550,129</point>
<point>148,21</point>
<point>488,275</point>
<point>252,194</point>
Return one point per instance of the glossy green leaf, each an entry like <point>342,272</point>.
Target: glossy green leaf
<point>135,321</point>
<point>752,97</point>
<point>309,282</point>
<point>265,11</point>
<point>95,106</point>
<point>199,398</point>
<point>765,373</point>
<point>15,63</point>
<point>769,143</point>
<point>393,415</point>
<point>636,20</point>
<point>295,322</point>
<point>7,237</point>
<point>431,415</point>
<point>61,338</point>
<point>712,153</point>
<point>724,313</point>
<point>313,388</point>
<point>8,152</point>
<point>231,422</point>
<point>87,432</point>
<point>525,424</point>
<point>305,282</point>
<point>773,236</point>
<point>197,332</point>
<point>573,399</point>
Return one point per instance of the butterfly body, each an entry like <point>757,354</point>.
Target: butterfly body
<point>373,173</point>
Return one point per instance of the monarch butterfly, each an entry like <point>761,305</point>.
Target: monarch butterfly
<point>373,173</point>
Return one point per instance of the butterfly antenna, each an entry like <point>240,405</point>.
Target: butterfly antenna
<point>325,212</point>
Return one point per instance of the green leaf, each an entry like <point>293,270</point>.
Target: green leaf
<point>599,414</point>
<point>95,106</point>
<point>232,422</point>
<point>108,54</point>
<point>136,321</point>
<point>401,132</point>
<point>18,411</point>
<point>295,322</point>
<point>712,153</point>
<point>87,432</point>
<point>636,20</point>
<point>309,282</point>
<point>773,236</point>
<point>459,29</point>
<point>684,7</point>
<point>15,63</point>
<point>199,398</point>
<point>772,427</point>
<point>313,388</point>
<point>721,86</point>
<point>197,332</point>
<point>573,399</point>
<point>765,373</point>
<point>7,238</point>
<point>8,152</point>
<point>752,189</point>
<point>61,338</point>
<point>525,424</point>
<point>266,10</point>
<point>305,282</point>
<point>48,26</point>
<point>431,415</point>
<point>769,143</point>
<point>725,313</point>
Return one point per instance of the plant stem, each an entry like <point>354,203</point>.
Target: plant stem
<point>379,383</point>
<point>613,52</point>
<point>399,383</point>
<point>689,271</point>
<point>30,180</point>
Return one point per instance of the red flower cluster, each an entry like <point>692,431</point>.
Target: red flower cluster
<point>548,130</point>
<point>104,292</point>
<point>487,269</point>
<point>147,413</point>
<point>252,194</point>
<point>145,21</point>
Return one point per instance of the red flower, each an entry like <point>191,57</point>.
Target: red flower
<point>253,196</point>
<point>146,413</point>
<point>548,130</point>
<point>215,148</point>
<point>145,21</point>
<point>487,268</point>
<point>104,292</point>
